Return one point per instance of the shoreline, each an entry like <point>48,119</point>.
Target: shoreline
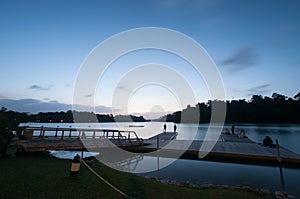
<point>60,185</point>
<point>188,184</point>
<point>192,185</point>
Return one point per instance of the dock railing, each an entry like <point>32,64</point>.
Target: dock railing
<point>118,137</point>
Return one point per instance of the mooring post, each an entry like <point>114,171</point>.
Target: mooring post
<point>157,139</point>
<point>41,131</point>
<point>56,131</point>
<point>280,165</point>
<point>157,159</point>
<point>62,134</point>
<point>157,152</point>
<point>75,166</point>
<point>70,131</point>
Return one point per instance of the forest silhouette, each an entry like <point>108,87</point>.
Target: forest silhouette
<point>277,109</point>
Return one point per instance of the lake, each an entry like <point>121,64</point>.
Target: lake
<point>206,172</point>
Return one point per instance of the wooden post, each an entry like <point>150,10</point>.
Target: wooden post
<point>28,134</point>
<point>62,134</point>
<point>157,139</point>
<point>41,132</point>
<point>157,159</point>
<point>157,152</point>
<point>280,165</point>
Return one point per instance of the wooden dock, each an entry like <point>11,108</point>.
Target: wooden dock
<point>229,148</point>
<point>45,138</point>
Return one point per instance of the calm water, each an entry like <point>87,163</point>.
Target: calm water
<point>288,135</point>
<point>205,172</point>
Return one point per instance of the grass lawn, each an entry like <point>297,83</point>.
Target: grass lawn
<point>46,177</point>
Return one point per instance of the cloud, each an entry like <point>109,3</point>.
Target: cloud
<point>120,87</point>
<point>40,88</point>
<point>96,109</point>
<point>123,88</point>
<point>35,106</point>
<point>153,114</point>
<point>261,89</point>
<point>103,109</point>
<point>88,95</point>
<point>245,57</point>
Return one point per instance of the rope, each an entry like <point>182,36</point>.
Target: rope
<point>105,181</point>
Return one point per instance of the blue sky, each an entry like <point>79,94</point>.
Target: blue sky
<point>255,45</point>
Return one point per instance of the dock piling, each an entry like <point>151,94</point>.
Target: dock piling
<point>157,139</point>
<point>280,165</point>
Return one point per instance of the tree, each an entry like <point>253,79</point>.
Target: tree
<point>297,96</point>
<point>256,99</point>
<point>3,109</point>
<point>278,97</point>
<point>6,135</point>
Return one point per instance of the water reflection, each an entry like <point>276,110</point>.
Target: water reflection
<point>206,172</point>
<point>70,154</point>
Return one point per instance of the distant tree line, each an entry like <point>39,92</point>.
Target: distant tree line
<point>275,109</point>
<point>75,116</point>
<point>11,119</point>
<point>259,110</point>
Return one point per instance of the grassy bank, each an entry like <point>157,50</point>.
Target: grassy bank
<point>45,177</point>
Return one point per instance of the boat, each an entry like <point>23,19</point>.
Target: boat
<point>136,125</point>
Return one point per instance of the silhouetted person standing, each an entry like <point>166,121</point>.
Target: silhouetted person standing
<point>175,127</point>
<point>165,127</point>
<point>268,141</point>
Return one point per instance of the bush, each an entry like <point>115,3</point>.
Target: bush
<point>6,136</point>
<point>6,147</point>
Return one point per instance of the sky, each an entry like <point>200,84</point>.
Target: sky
<point>254,44</point>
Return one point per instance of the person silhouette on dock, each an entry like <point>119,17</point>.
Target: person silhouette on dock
<point>165,127</point>
<point>175,128</point>
<point>232,129</point>
<point>268,142</point>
